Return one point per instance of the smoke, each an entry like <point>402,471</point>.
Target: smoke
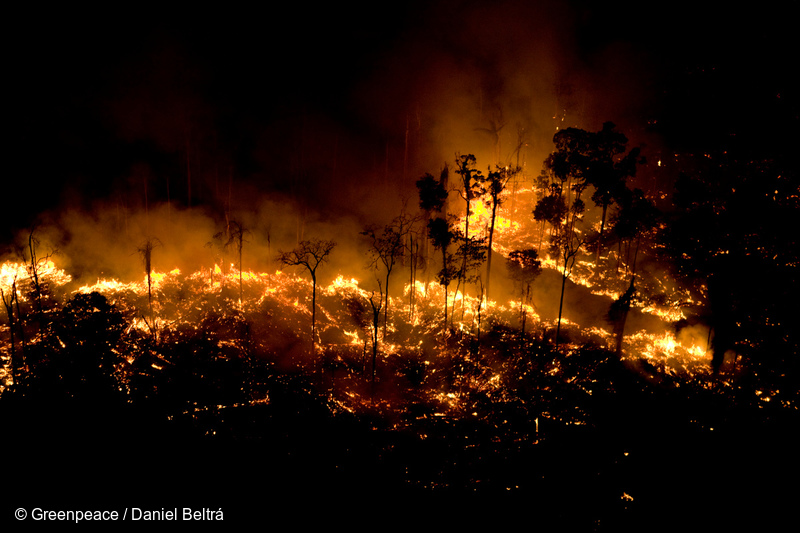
<point>477,76</point>
<point>306,130</point>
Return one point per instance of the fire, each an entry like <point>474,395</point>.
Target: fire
<point>20,273</point>
<point>112,286</point>
<point>481,217</point>
<point>666,349</point>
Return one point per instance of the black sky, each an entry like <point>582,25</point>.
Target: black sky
<point>98,98</point>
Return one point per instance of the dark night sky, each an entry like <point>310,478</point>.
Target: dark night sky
<point>321,91</point>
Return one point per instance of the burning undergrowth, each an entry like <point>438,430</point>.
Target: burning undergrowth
<point>434,384</point>
<point>260,322</point>
<point>224,363</point>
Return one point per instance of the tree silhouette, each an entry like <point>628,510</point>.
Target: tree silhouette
<point>618,314</point>
<point>471,188</point>
<point>376,313</point>
<point>550,209</point>
<point>9,305</point>
<point>309,254</point>
<point>432,200</point>
<point>568,246</point>
<point>442,235</point>
<point>146,253</point>
<point>432,192</point>
<point>636,217</point>
<point>495,185</point>
<point>524,267</point>
<point>598,159</point>
<point>387,245</point>
<point>608,170</point>
<point>471,253</point>
<point>236,234</point>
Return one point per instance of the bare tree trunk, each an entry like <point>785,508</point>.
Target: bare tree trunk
<point>313,311</point>
<point>561,305</point>
<point>376,313</point>
<point>600,238</point>
<point>34,272</point>
<point>9,304</point>
<point>489,258</point>
<point>386,305</point>
<point>21,323</point>
<point>412,277</point>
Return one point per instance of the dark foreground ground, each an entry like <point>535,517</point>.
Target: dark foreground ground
<point>651,462</point>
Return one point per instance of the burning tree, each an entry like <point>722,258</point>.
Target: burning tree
<point>309,254</point>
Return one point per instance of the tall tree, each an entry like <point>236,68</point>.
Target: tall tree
<point>636,217</point>
<point>608,170</point>
<point>568,246</point>
<point>387,246</point>
<point>583,158</point>
<point>432,200</point>
<point>471,186</point>
<point>310,254</point>
<point>496,182</point>
<point>550,209</point>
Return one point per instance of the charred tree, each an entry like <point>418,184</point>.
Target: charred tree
<point>376,313</point>
<point>618,314</point>
<point>146,253</point>
<point>310,254</point>
<point>9,305</point>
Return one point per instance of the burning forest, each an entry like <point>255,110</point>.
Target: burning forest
<point>497,276</point>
